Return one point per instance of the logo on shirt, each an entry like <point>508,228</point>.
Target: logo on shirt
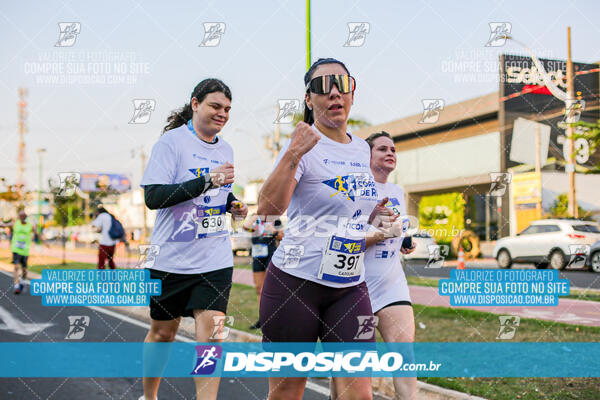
<point>207,359</point>
<point>185,223</point>
<point>352,186</point>
<point>198,172</point>
<point>394,204</point>
<point>327,161</point>
<point>385,253</point>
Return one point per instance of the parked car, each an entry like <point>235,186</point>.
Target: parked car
<point>423,240</point>
<point>241,241</point>
<point>548,242</point>
<point>593,259</point>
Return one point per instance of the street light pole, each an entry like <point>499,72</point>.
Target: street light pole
<point>568,98</point>
<point>569,107</point>
<point>308,44</point>
<point>40,152</point>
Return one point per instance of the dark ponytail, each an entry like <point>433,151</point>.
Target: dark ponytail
<point>309,117</point>
<point>183,115</point>
<point>371,139</point>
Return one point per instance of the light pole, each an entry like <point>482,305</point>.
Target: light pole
<point>308,43</point>
<point>568,98</point>
<point>40,152</point>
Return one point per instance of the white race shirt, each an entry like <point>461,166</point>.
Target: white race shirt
<point>334,196</point>
<point>383,266</point>
<point>193,236</point>
<point>104,221</point>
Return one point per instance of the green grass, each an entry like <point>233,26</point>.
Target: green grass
<point>419,281</point>
<point>460,325</point>
<point>583,295</point>
<point>523,388</point>
<point>243,306</point>
<point>68,265</point>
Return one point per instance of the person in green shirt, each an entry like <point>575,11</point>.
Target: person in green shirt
<point>22,234</point>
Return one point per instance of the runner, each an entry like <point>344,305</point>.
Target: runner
<point>107,244</point>
<point>22,233</point>
<point>322,175</point>
<point>188,180</point>
<point>384,272</point>
<point>265,239</point>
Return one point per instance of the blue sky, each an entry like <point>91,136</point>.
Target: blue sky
<point>414,50</point>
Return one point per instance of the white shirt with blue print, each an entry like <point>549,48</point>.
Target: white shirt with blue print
<point>335,194</point>
<point>185,248</point>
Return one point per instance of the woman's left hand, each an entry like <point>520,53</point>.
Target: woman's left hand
<point>239,210</point>
<point>404,250</point>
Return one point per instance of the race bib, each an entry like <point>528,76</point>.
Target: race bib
<point>20,244</point>
<point>343,260</point>
<point>260,250</point>
<point>211,221</point>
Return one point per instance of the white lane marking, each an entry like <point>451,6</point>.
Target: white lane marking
<point>12,324</point>
<point>309,385</point>
<point>317,388</point>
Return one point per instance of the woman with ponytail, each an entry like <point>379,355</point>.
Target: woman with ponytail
<point>188,181</point>
<point>314,287</point>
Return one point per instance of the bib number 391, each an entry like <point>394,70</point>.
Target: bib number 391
<point>343,260</point>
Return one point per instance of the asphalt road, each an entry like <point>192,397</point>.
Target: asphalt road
<point>580,278</point>
<point>32,322</point>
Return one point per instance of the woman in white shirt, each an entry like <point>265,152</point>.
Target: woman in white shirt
<point>384,272</point>
<point>188,181</point>
<point>314,287</point>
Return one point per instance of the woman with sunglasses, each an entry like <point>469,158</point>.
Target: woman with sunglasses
<point>188,181</point>
<point>314,287</point>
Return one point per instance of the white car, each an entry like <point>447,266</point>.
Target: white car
<point>422,240</point>
<point>548,242</point>
<point>240,241</point>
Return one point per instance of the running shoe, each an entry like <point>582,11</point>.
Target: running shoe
<point>17,288</point>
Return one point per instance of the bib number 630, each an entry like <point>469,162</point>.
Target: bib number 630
<point>212,222</point>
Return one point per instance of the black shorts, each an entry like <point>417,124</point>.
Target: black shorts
<point>396,303</point>
<point>259,264</point>
<point>19,259</point>
<point>183,293</point>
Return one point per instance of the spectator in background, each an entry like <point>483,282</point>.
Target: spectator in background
<point>265,239</point>
<point>106,248</point>
<point>22,232</point>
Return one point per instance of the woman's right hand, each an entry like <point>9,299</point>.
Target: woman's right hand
<point>304,138</point>
<point>222,175</point>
